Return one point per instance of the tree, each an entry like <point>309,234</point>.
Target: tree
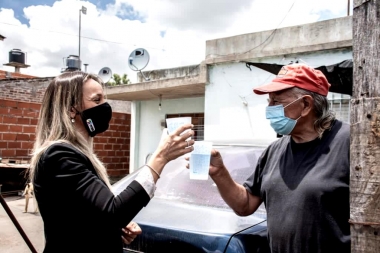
<point>365,129</point>
<point>119,80</point>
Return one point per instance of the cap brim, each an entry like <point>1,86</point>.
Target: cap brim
<point>272,87</point>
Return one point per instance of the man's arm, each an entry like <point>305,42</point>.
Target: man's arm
<point>235,195</point>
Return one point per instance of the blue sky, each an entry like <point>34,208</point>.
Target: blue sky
<point>19,5</point>
<point>173,31</point>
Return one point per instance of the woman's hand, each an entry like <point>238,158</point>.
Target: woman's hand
<point>172,147</point>
<point>130,232</point>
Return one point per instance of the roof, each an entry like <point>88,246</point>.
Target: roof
<point>13,75</point>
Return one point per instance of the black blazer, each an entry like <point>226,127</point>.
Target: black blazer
<point>79,211</point>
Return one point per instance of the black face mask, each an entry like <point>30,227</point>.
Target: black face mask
<point>96,119</point>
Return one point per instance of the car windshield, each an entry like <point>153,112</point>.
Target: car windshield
<point>175,183</point>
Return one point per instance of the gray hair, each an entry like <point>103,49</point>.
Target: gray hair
<point>324,115</point>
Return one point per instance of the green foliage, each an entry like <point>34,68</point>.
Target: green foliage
<point>119,80</point>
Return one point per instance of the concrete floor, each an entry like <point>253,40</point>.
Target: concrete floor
<point>10,239</point>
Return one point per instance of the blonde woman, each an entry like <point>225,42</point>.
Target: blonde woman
<point>79,211</point>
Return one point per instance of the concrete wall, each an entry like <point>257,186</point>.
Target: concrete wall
<point>146,123</point>
<point>157,74</point>
<point>328,34</point>
<point>228,119</point>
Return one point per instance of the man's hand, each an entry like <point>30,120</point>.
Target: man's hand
<point>130,232</point>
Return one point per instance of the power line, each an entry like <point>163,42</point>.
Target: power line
<point>75,35</point>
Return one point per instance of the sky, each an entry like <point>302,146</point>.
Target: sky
<point>174,32</point>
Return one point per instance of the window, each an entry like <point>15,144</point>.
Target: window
<point>340,104</point>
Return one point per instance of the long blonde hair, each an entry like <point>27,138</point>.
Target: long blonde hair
<point>54,122</point>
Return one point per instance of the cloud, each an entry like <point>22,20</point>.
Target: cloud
<point>174,32</point>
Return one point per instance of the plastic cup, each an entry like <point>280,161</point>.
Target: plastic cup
<point>174,123</point>
<point>200,160</point>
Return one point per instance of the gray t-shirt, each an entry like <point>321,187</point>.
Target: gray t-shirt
<point>305,189</point>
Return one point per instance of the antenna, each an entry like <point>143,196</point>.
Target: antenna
<point>138,60</point>
<point>105,74</point>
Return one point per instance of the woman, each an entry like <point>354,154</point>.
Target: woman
<point>79,211</point>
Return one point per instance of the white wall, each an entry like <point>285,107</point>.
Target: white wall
<point>149,129</point>
<point>228,120</point>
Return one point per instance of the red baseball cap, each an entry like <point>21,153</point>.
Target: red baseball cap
<point>297,75</point>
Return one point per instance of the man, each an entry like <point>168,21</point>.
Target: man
<point>303,177</point>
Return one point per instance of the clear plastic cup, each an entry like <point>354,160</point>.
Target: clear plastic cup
<point>200,160</point>
<point>174,123</point>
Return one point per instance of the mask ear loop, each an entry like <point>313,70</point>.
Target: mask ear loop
<point>292,102</point>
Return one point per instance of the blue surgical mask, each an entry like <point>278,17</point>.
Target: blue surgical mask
<point>278,121</point>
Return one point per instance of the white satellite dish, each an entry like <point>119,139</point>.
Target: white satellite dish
<point>105,74</point>
<point>138,60</point>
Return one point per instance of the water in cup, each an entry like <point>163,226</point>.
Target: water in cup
<point>200,160</point>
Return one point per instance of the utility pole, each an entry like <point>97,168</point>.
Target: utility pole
<point>365,129</point>
<point>84,11</point>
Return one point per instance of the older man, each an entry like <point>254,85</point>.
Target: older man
<point>303,177</point>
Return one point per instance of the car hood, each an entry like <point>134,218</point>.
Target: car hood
<point>200,219</point>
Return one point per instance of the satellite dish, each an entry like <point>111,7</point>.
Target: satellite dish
<point>138,60</point>
<point>105,74</point>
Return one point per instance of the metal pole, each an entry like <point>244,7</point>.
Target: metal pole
<point>348,7</point>
<point>15,222</point>
<point>80,11</point>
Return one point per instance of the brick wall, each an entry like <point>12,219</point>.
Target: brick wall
<point>26,90</point>
<point>18,122</point>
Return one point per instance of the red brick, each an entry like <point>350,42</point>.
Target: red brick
<point>23,137</point>
<point>119,153</point>
<point>29,129</point>
<point>15,128</point>
<point>14,144</point>
<point>22,152</point>
<point>32,137</point>
<point>125,134</point>
<point>33,122</point>
<point>116,147</point>
<point>27,144</point>
<point>31,106</point>
<point>9,136</point>
<point>111,153</point>
<point>116,134</point>
<point>4,128</point>
<point>107,147</point>
<point>4,111</point>
<point>118,121</point>
<point>8,153</point>
<point>107,159</point>
<point>98,146</point>
<point>3,144</point>
<point>10,103</point>
<point>23,121</point>
<point>101,153</point>
<point>16,112</point>
<point>31,114</point>
<point>9,120</point>
<point>112,140</point>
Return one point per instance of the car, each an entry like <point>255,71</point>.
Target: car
<point>190,216</point>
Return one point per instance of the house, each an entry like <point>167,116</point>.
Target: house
<point>219,89</point>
